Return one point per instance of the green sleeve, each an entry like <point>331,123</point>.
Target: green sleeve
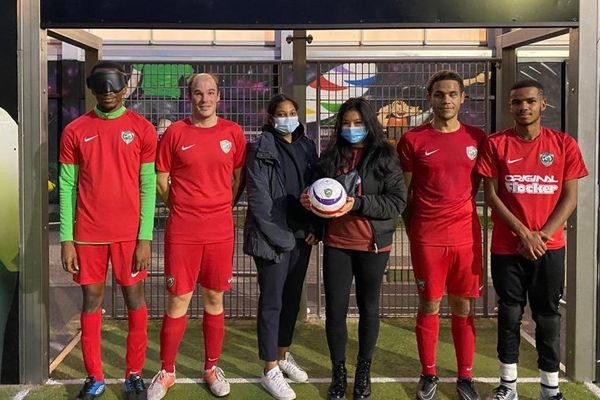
<point>147,200</point>
<point>68,199</point>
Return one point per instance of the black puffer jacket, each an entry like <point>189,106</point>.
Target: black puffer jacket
<point>382,201</point>
<point>266,232</point>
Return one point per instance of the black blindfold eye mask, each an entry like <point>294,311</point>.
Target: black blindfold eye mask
<point>106,81</point>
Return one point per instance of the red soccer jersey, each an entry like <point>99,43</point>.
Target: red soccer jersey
<point>109,153</point>
<point>442,207</point>
<point>530,174</point>
<point>200,162</point>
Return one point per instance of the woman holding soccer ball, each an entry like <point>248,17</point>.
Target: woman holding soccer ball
<point>358,238</point>
<point>279,233</point>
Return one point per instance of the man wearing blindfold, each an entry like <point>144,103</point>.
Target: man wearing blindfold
<point>107,199</point>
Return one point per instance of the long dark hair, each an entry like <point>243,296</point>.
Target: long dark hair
<point>377,153</point>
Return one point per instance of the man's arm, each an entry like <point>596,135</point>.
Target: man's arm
<point>238,184</point>
<point>532,244</point>
<point>147,207</point>
<point>162,186</point>
<point>406,213</point>
<point>68,177</point>
<point>563,210</point>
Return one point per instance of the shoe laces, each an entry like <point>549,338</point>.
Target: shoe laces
<point>162,374</point>
<point>278,379</point>
<point>219,374</point>
<point>467,382</point>
<point>136,383</point>
<point>501,392</point>
<point>292,363</point>
<point>362,372</point>
<point>89,382</point>
<point>339,371</point>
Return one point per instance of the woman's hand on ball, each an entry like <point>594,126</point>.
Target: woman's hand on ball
<point>305,199</point>
<point>345,208</point>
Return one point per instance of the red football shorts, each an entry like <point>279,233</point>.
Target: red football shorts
<point>93,263</point>
<point>209,264</point>
<point>457,268</point>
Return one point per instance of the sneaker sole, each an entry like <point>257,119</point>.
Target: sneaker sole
<point>296,380</point>
<point>276,397</point>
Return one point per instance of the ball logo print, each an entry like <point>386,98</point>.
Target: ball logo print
<point>547,159</point>
<point>471,152</point>
<point>327,196</point>
<point>127,136</point>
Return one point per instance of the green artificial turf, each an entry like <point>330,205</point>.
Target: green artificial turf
<point>572,391</point>
<point>395,357</point>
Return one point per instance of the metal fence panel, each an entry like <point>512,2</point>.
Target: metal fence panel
<point>396,89</point>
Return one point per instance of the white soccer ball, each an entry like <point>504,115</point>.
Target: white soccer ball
<point>327,196</point>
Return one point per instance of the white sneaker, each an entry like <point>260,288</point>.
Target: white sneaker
<point>161,382</point>
<point>215,379</point>
<point>274,383</point>
<point>289,367</point>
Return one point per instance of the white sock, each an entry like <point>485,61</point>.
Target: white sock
<point>549,383</point>
<point>508,375</point>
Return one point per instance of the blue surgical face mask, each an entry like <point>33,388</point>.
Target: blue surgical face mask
<point>354,134</point>
<point>286,125</point>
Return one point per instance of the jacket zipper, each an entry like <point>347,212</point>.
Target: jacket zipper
<point>374,241</point>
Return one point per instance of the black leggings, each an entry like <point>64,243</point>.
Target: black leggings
<point>367,268</point>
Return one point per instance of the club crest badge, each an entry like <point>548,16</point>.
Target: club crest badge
<point>420,284</point>
<point>127,136</point>
<point>471,152</point>
<point>547,159</point>
<point>225,146</point>
<point>170,281</point>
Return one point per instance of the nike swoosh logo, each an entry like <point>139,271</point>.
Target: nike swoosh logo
<point>212,359</point>
<point>429,395</point>
<point>184,148</point>
<point>428,153</point>
<point>134,274</point>
<point>514,161</point>
<point>87,139</point>
<point>465,395</point>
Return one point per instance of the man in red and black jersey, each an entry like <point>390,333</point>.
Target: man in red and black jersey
<point>200,161</point>
<point>438,159</point>
<point>530,174</point>
<point>107,199</point>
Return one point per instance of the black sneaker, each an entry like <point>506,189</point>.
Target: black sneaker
<point>466,389</point>
<point>134,388</point>
<point>91,389</point>
<point>427,387</point>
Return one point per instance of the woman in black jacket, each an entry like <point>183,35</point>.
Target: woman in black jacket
<point>358,239</point>
<point>279,234</point>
